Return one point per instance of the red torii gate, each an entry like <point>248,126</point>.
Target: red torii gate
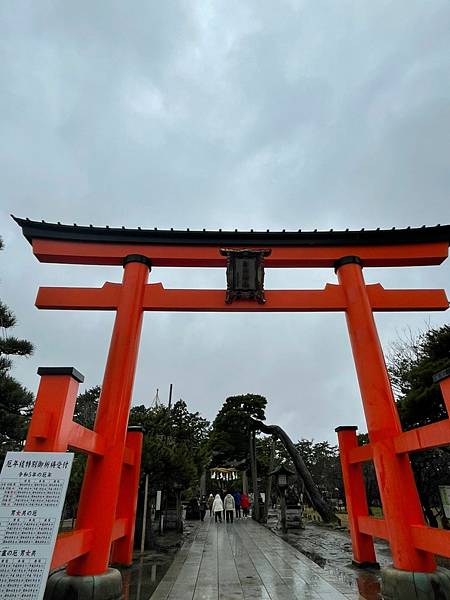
<point>106,513</point>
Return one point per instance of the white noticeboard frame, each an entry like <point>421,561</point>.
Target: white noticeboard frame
<point>33,488</point>
<point>444,491</point>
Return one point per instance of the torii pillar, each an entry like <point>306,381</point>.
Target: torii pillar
<point>89,576</point>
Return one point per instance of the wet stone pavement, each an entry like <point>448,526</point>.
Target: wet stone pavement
<point>331,549</point>
<point>141,579</point>
<point>243,561</point>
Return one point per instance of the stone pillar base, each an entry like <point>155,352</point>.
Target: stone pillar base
<point>293,519</point>
<point>366,565</point>
<point>407,585</point>
<point>107,586</point>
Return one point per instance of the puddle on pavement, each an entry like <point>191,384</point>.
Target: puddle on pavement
<point>319,560</point>
<point>332,551</point>
<point>142,578</point>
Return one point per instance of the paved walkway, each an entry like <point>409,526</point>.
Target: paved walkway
<point>241,561</point>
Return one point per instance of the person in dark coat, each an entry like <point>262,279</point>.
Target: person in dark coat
<point>203,507</point>
<point>210,502</point>
<point>237,503</point>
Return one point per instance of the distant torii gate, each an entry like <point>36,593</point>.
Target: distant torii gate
<point>106,512</point>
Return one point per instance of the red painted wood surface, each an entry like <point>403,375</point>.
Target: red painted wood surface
<point>101,483</point>
<point>106,513</point>
<point>70,545</point>
<point>427,540</point>
<point>373,527</point>
<point>355,492</point>
<point>122,549</point>
<point>209,256</point>
<point>157,298</point>
<point>52,430</point>
<point>399,496</point>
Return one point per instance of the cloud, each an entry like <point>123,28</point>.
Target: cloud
<point>292,115</point>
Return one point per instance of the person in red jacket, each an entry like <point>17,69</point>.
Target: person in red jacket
<point>245,504</point>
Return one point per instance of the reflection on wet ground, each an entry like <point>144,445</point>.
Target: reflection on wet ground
<point>245,560</point>
<point>142,578</point>
<point>331,549</point>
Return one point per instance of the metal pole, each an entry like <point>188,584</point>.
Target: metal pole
<point>170,396</point>
<point>144,514</point>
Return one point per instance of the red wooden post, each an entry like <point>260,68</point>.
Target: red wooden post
<point>53,410</point>
<point>122,552</point>
<point>401,504</point>
<point>355,495</point>
<point>100,491</point>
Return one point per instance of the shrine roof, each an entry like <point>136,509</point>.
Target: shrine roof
<point>202,237</point>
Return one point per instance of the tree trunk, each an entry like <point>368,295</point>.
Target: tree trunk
<point>244,482</point>
<point>269,481</point>
<point>202,483</point>
<point>318,502</point>
<point>255,508</point>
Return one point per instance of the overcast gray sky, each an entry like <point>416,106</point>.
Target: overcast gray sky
<point>288,114</point>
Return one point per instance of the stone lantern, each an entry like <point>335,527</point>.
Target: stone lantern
<point>281,474</point>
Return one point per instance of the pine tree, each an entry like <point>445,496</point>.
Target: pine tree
<point>15,400</point>
<point>412,363</point>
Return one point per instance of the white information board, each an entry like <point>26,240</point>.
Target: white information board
<point>444,491</point>
<point>158,500</point>
<point>33,487</point>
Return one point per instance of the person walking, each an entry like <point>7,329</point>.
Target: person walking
<point>245,504</point>
<point>203,507</point>
<point>217,508</point>
<point>229,506</point>
<point>237,503</point>
<point>210,504</point>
